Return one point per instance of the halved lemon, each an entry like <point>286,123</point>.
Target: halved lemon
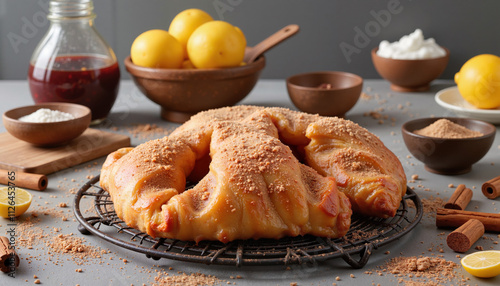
<point>484,264</point>
<point>14,201</point>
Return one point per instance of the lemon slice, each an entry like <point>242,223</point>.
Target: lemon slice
<point>14,201</point>
<point>484,264</point>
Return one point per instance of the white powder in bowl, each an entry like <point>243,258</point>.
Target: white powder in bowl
<point>46,115</point>
<point>411,47</point>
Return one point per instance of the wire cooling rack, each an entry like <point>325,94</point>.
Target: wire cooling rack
<point>365,235</point>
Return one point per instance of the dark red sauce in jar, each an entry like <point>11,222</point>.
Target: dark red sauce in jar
<point>87,80</point>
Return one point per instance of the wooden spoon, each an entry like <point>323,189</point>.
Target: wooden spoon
<point>252,53</point>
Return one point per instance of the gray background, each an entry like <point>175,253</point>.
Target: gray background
<point>466,27</point>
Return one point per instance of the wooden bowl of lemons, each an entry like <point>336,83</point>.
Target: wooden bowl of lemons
<point>182,93</point>
<point>195,66</point>
<point>198,64</point>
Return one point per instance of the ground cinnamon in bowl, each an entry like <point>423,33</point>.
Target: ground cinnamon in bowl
<point>448,146</point>
<point>444,128</point>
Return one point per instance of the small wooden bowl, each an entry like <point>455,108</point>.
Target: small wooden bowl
<point>448,156</point>
<point>48,134</point>
<point>308,93</point>
<point>410,75</point>
<point>182,93</point>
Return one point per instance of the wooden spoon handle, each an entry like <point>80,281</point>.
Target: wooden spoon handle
<point>276,38</point>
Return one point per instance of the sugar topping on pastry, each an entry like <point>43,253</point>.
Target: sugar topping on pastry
<point>260,173</point>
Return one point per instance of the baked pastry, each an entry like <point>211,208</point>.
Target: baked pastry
<point>252,180</point>
<point>365,170</point>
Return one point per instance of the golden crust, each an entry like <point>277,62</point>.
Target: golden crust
<point>252,184</point>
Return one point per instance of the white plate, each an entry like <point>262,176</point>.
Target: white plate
<point>451,99</point>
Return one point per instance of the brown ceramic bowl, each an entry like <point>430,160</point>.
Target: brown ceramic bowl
<point>410,75</point>
<point>327,93</point>
<point>48,134</point>
<point>448,156</point>
<point>182,93</point>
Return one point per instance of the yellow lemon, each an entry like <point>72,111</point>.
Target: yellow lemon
<point>216,44</point>
<point>14,201</point>
<point>184,24</point>
<point>157,49</point>
<point>484,264</point>
<point>479,81</point>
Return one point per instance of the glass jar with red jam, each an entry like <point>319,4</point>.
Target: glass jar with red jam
<point>73,63</point>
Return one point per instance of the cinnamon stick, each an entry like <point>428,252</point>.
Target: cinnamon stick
<point>462,239</point>
<point>8,257</point>
<point>460,198</point>
<point>491,189</point>
<point>24,180</point>
<point>446,218</point>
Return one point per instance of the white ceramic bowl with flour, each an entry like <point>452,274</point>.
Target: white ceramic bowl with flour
<point>411,63</point>
<point>411,47</point>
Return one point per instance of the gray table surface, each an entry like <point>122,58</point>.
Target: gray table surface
<point>134,108</point>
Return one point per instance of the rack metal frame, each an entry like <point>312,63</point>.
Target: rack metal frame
<point>365,235</point>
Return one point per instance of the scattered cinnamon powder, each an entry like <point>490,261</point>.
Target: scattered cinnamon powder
<point>357,235</point>
<point>432,271</point>
<point>444,128</point>
<point>79,252</point>
<point>365,96</point>
<point>28,233</point>
<point>183,279</point>
<point>148,131</point>
<point>374,114</point>
<point>430,205</point>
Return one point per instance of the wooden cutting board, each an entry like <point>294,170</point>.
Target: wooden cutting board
<point>17,155</point>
